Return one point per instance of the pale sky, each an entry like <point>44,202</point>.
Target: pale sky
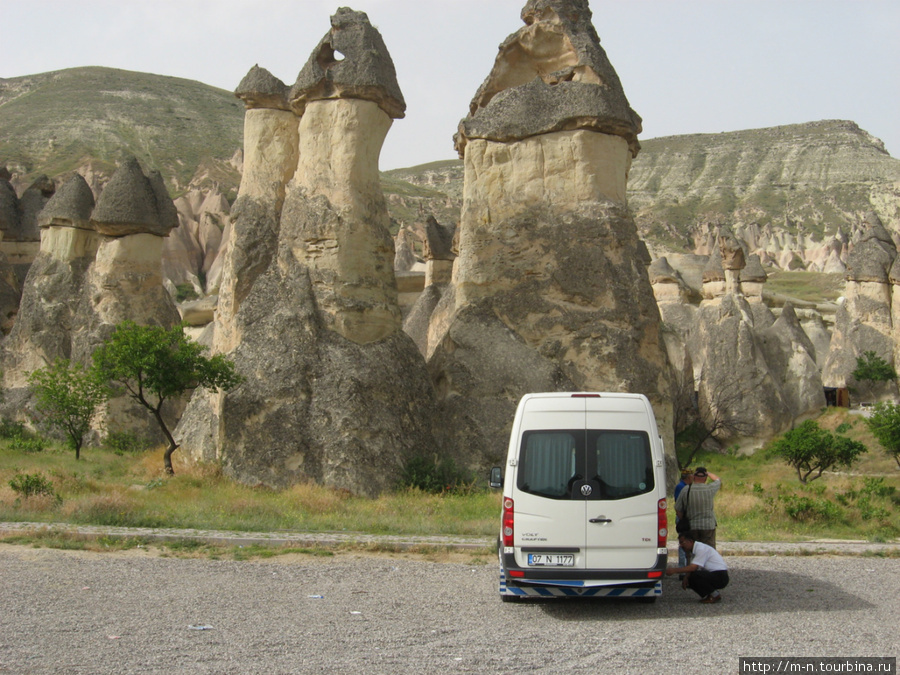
<point>687,66</point>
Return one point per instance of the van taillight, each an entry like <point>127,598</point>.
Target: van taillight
<point>507,521</point>
<point>662,522</point>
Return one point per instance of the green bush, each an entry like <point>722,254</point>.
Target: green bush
<point>434,475</point>
<point>865,499</point>
<point>185,292</point>
<point>810,508</point>
<point>121,442</point>
<point>32,484</point>
<point>28,444</point>
<point>10,429</point>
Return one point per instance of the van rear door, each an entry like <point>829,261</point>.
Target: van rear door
<point>622,513</point>
<point>550,512</point>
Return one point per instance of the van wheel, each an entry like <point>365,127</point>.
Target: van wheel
<point>510,598</point>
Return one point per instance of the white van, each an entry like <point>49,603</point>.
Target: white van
<point>584,498</point>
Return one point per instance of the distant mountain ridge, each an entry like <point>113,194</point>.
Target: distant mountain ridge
<point>66,120</point>
<point>810,180</point>
<point>783,190</point>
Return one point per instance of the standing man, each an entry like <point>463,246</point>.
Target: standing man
<point>707,572</point>
<point>699,508</point>
<point>687,477</point>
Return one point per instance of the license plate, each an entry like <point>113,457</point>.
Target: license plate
<point>551,559</point>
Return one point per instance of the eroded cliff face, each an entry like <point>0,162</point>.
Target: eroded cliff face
<point>794,194</point>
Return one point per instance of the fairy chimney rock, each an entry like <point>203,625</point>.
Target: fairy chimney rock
<point>335,214</point>
<point>70,206</point>
<point>732,260</point>
<point>668,285</point>
<point>551,281</point>
<point>353,62</point>
<point>132,203</point>
<point>552,89</point>
<point>30,204</point>
<point>261,89</point>
<point>713,276</point>
<point>335,392</point>
<point>873,255</point>
<point>753,277</point>
<point>68,231</point>
<point>439,255</point>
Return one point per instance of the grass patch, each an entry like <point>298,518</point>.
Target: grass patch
<point>808,286</point>
<point>109,487</point>
<point>761,500</point>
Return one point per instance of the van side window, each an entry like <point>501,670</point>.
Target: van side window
<point>547,462</point>
<point>623,462</point>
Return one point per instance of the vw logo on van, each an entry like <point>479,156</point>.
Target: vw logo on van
<point>586,490</point>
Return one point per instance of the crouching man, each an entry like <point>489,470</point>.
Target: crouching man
<point>707,571</point>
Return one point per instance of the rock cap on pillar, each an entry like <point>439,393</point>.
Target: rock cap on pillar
<point>70,206</point>
<point>754,270</point>
<point>873,256</point>
<point>731,251</point>
<point>551,75</point>
<point>133,203</point>
<point>438,240</point>
<point>351,61</point>
<point>261,89</point>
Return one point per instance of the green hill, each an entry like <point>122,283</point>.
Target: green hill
<point>56,122</point>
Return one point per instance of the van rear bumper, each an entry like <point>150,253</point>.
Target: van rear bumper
<point>581,577</point>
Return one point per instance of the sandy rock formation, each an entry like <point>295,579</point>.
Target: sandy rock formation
<point>756,370</point>
<point>32,201</point>
<point>335,392</point>
<point>550,287</point>
<point>714,279</point>
<point>867,317</point>
<point>791,354</point>
<point>191,251</point>
<point>424,323</point>
<point>133,214</point>
<point>99,264</point>
<point>404,250</point>
<point>753,277</point>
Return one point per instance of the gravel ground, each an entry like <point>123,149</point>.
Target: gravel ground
<point>78,612</point>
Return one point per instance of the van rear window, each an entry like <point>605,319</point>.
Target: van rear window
<point>547,463</point>
<point>557,464</point>
<point>622,461</point>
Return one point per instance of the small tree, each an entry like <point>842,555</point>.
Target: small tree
<point>873,369</point>
<point>811,449</point>
<point>884,424</point>
<point>68,396</point>
<point>724,413</point>
<point>153,365</point>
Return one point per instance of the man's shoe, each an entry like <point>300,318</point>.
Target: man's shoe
<point>710,599</point>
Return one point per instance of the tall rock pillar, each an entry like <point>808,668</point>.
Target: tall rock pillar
<point>552,291</point>
<point>335,392</point>
<point>866,320</point>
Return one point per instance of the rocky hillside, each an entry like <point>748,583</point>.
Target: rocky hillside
<point>805,180</point>
<point>86,119</point>
<point>793,194</point>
